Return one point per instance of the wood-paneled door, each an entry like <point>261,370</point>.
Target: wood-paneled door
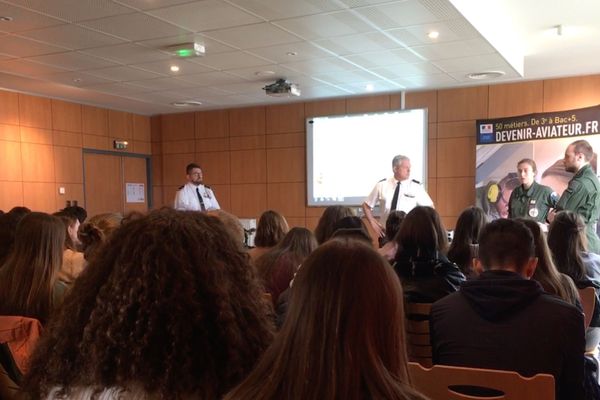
<point>107,177</point>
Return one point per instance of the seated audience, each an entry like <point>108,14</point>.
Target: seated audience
<point>278,265</point>
<point>78,212</point>
<point>232,224</point>
<point>271,228</point>
<point>504,320</point>
<point>546,274</point>
<point>29,285</point>
<point>330,216</point>
<point>96,231</point>
<point>169,309</point>
<point>343,337</point>
<point>392,226</point>
<point>462,249</point>
<point>352,227</point>
<point>425,272</point>
<point>73,261</point>
<point>567,242</point>
<point>8,226</point>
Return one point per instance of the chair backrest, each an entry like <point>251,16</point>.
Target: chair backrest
<point>587,296</point>
<point>20,335</point>
<point>441,382</point>
<point>417,332</point>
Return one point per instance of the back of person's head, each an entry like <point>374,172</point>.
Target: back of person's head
<point>271,228</point>
<point>583,147</point>
<point>96,231</point>
<point>352,227</point>
<point>506,244</point>
<point>566,239</point>
<point>71,224</point>
<point>31,269</point>
<point>232,224</point>
<point>393,223</point>
<point>169,307</point>
<point>331,215</point>
<point>79,212</point>
<point>466,233</point>
<point>346,321</point>
<point>8,227</point>
<point>422,232</point>
<point>546,273</point>
<point>19,211</point>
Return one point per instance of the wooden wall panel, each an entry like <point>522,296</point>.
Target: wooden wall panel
<point>432,190</point>
<point>36,135</point>
<point>10,162</point>
<point>38,163</point>
<point>120,124</point>
<point>285,118</point>
<point>73,191</point>
<point>35,111</point>
<point>367,104</point>
<point>179,146</point>
<point>432,158</point>
<point>456,157</point>
<point>454,195</point>
<point>96,142</point>
<point>248,200</point>
<point>177,126</point>
<point>158,198</point>
<point>223,194</point>
<point>447,130</point>
<point>134,171</point>
<point>10,132</point>
<point>215,167</point>
<point>141,147</point>
<point>463,104</point>
<point>569,93</point>
<point>155,128</point>
<point>68,164</point>
<point>213,144</point>
<point>169,195</point>
<point>174,168</point>
<point>103,183</point>
<point>432,131</point>
<point>247,142</point>
<point>325,107</point>
<point>67,139</point>
<point>248,166</point>
<point>66,116</point>
<point>9,108</point>
<point>286,165</point>
<point>289,199</point>
<point>40,196</point>
<point>94,120</point>
<point>157,169</point>
<point>297,139</point>
<point>294,222</point>
<point>247,121</point>
<point>423,100</point>
<point>141,128</point>
<point>512,99</point>
<point>11,195</point>
<point>212,124</point>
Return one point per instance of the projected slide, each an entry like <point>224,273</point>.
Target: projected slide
<point>347,155</point>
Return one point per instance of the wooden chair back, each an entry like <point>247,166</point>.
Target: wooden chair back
<point>587,296</point>
<point>442,382</point>
<point>417,333</point>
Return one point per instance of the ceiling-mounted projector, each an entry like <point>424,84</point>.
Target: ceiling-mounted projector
<point>282,88</point>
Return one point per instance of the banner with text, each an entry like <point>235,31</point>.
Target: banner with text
<point>543,137</point>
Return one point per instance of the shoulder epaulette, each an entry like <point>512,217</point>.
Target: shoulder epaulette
<point>206,186</point>
<point>180,187</point>
<point>383,180</point>
<point>416,181</point>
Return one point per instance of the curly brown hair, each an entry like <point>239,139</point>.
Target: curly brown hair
<point>169,306</point>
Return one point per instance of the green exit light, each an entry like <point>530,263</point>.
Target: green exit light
<point>185,53</point>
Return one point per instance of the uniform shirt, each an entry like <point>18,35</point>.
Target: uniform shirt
<point>186,198</point>
<point>533,203</point>
<point>581,196</point>
<point>410,195</point>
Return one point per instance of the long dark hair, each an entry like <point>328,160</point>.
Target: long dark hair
<point>330,216</point>
<point>271,228</point>
<point>422,233</point>
<point>343,336</point>
<point>170,306</point>
<point>468,226</point>
<point>566,239</point>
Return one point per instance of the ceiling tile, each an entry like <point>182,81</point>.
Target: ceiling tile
<point>27,68</point>
<point>277,9</point>
<point>441,51</point>
<point>279,71</point>
<point>118,89</point>
<point>351,44</point>
<point>401,70</point>
<point>68,78</point>
<point>151,85</point>
<point>135,27</point>
<point>474,64</point>
<point>237,59</point>
<point>211,46</point>
<point>320,66</point>
<point>424,81</point>
<point>150,5</point>
<point>251,88</point>
<point>325,25</point>
<point>73,61</point>
<point>397,14</point>
<point>74,10</point>
<point>303,51</point>
<point>322,91</point>
<point>163,67</point>
<point>252,36</point>
<point>72,37</point>
<point>22,47</point>
<point>341,77</point>
<point>127,53</point>
<point>123,73</point>
<point>452,30</point>
<point>381,86</point>
<point>211,78</point>
<point>205,15</point>
<point>24,20</point>
<point>383,58</point>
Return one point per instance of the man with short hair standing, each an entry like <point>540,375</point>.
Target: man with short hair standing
<point>504,319</point>
<point>581,195</point>
<point>396,193</point>
<point>195,195</point>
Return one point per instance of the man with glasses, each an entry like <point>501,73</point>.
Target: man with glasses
<point>195,195</point>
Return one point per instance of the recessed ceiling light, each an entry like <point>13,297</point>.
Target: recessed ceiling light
<point>264,73</point>
<point>291,53</point>
<point>485,75</point>
<point>186,103</point>
<point>174,68</point>
<point>369,87</point>
<point>5,18</point>
<point>433,35</point>
<point>77,80</point>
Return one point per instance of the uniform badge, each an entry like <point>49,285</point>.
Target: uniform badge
<point>532,201</point>
<point>533,212</point>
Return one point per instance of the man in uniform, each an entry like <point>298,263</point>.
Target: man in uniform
<point>581,195</point>
<point>530,199</point>
<point>195,195</point>
<point>396,193</point>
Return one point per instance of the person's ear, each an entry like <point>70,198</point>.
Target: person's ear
<point>477,266</point>
<point>530,267</point>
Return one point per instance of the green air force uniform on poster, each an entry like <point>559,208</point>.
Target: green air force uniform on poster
<point>533,203</point>
<point>581,196</point>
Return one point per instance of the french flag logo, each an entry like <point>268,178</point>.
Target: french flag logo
<point>486,128</point>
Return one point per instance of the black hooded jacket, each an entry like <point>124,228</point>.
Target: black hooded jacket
<point>503,321</point>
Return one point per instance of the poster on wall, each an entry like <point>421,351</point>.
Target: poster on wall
<point>543,137</point>
<point>135,192</point>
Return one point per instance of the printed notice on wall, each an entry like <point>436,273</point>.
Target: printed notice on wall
<point>135,192</point>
